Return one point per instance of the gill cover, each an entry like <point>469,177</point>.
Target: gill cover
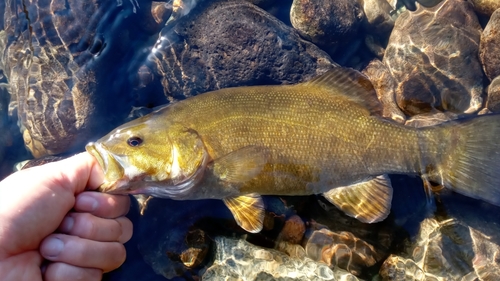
<point>189,159</point>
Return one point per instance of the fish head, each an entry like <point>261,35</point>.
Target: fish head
<point>149,157</point>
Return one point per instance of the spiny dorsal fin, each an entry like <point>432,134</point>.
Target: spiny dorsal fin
<point>349,83</point>
<point>241,165</point>
<point>368,201</point>
<point>248,211</point>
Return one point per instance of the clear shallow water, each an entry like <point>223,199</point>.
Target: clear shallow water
<point>124,57</point>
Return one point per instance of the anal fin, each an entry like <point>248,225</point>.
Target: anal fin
<point>368,201</point>
<point>248,211</point>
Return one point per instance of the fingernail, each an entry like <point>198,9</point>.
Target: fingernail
<point>52,247</point>
<point>86,203</point>
<point>67,224</point>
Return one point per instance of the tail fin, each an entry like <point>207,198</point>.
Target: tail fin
<point>472,164</point>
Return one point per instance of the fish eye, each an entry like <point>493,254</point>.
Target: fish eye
<point>134,141</point>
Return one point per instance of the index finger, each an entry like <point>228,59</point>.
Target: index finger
<point>102,205</point>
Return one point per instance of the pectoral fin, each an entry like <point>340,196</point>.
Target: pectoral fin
<point>248,211</point>
<point>241,165</point>
<point>368,201</point>
<point>142,202</point>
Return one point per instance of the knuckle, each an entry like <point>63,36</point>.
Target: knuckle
<point>126,229</point>
<point>86,226</point>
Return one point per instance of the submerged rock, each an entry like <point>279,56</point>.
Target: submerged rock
<point>342,250</point>
<point>240,260</point>
<point>489,48</point>
<point>486,7</point>
<point>432,54</point>
<point>486,261</point>
<point>208,49</point>
<point>173,236</point>
<point>429,3</point>
<point>378,18</point>
<point>385,86</point>
<point>397,268</point>
<point>430,119</point>
<point>326,23</point>
<point>493,99</point>
<point>442,251</point>
<point>66,67</point>
<point>293,231</point>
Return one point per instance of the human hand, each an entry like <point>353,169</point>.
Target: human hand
<point>36,202</point>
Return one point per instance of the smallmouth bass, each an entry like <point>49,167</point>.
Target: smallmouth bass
<point>318,137</point>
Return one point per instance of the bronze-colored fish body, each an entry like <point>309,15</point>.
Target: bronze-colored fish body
<point>321,136</point>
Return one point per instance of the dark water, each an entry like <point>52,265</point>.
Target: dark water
<point>101,63</point>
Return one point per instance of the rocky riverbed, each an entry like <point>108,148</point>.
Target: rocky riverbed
<point>70,71</point>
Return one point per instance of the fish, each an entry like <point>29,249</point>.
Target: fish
<point>323,136</point>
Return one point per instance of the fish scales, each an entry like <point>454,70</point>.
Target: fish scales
<point>312,134</point>
<point>319,137</point>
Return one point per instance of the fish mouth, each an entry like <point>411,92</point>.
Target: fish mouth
<point>92,149</point>
<point>113,171</point>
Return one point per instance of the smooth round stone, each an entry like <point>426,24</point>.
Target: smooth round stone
<point>397,268</point>
<point>442,250</point>
<point>385,86</point>
<point>493,99</point>
<point>427,53</point>
<point>326,22</point>
<point>340,249</point>
<point>293,230</point>
<point>489,48</point>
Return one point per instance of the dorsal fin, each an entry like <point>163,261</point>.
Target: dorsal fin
<point>349,83</point>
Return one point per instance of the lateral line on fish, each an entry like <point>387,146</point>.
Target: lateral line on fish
<point>215,123</point>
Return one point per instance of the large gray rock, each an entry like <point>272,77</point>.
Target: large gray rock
<point>432,54</point>
<point>222,44</point>
<point>489,48</point>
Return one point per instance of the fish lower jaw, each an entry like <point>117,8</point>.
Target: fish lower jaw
<point>94,150</point>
